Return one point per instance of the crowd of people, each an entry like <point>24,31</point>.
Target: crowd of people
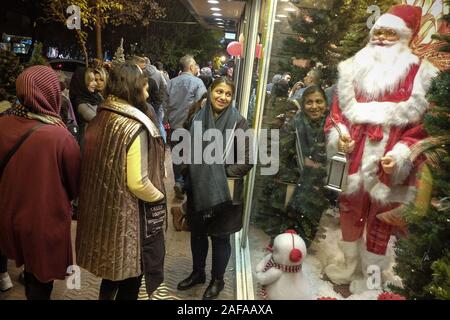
<point>97,147</point>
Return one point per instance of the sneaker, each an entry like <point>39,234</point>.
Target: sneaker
<point>5,282</point>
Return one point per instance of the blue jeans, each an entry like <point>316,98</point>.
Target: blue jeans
<point>176,167</point>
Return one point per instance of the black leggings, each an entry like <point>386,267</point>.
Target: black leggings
<point>127,289</point>
<point>221,252</point>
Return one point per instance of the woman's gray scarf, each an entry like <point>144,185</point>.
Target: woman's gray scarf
<point>209,181</point>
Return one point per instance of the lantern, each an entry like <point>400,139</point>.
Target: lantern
<point>337,174</point>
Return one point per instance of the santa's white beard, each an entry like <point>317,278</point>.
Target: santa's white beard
<point>379,69</point>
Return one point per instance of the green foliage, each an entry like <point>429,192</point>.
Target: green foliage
<point>423,259</point>
<point>168,41</point>
<point>417,255</point>
<point>10,68</point>
<point>308,203</point>
<point>329,36</point>
<point>356,31</point>
<point>314,35</point>
<point>37,58</point>
<point>440,286</point>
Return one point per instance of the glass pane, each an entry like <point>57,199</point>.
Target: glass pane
<point>309,40</point>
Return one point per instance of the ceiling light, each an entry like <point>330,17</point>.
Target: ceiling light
<point>213,1</point>
<point>217,14</point>
<point>218,19</point>
<point>216,9</point>
<point>281,16</point>
<point>276,20</point>
<point>290,9</point>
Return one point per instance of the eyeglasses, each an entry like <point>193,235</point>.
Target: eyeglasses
<point>385,32</point>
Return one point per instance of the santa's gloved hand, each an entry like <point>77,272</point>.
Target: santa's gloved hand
<point>388,164</point>
<point>346,144</point>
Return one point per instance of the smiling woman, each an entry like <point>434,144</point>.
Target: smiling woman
<point>214,213</point>
<point>221,95</point>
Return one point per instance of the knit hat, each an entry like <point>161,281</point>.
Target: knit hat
<point>38,89</point>
<point>403,18</point>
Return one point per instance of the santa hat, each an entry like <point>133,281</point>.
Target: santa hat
<point>403,18</point>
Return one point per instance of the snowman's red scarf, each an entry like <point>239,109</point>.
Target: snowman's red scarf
<point>282,267</point>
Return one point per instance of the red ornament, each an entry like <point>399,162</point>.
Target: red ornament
<point>390,296</point>
<point>234,49</point>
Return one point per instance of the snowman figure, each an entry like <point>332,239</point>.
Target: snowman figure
<point>280,272</point>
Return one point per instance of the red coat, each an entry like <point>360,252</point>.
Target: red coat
<point>386,126</point>
<point>36,189</point>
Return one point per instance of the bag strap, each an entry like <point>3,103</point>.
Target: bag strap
<point>9,155</point>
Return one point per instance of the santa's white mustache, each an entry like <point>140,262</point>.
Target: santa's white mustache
<point>383,43</point>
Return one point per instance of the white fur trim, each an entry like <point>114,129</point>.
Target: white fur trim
<point>353,184</point>
<point>400,153</point>
<point>385,113</point>
<point>380,192</point>
<point>344,271</point>
<point>333,139</point>
<point>391,21</point>
<point>399,194</point>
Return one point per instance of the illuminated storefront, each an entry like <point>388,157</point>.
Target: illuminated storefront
<point>269,32</point>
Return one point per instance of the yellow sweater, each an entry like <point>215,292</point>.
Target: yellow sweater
<point>137,171</point>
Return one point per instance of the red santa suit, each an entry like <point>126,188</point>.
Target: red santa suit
<point>381,107</point>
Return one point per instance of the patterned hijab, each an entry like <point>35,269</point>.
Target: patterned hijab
<point>39,91</point>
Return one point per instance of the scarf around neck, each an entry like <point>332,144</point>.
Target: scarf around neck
<point>210,177</point>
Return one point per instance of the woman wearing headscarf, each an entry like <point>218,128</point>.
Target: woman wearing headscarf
<point>212,208</point>
<point>304,161</point>
<point>38,182</point>
<point>122,210</point>
<point>85,97</point>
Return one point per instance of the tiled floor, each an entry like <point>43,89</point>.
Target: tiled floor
<point>177,267</point>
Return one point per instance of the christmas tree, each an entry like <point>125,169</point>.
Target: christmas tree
<point>329,36</point>
<point>119,56</point>
<point>37,58</point>
<point>10,68</point>
<point>357,31</point>
<point>423,259</point>
<point>314,34</point>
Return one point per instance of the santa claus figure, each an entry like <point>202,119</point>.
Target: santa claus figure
<point>375,119</point>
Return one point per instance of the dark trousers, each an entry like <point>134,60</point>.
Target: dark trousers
<point>176,167</point>
<point>221,252</point>
<point>36,290</point>
<point>127,289</point>
<point>3,263</point>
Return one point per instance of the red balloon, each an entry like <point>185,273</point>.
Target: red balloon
<point>234,49</point>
